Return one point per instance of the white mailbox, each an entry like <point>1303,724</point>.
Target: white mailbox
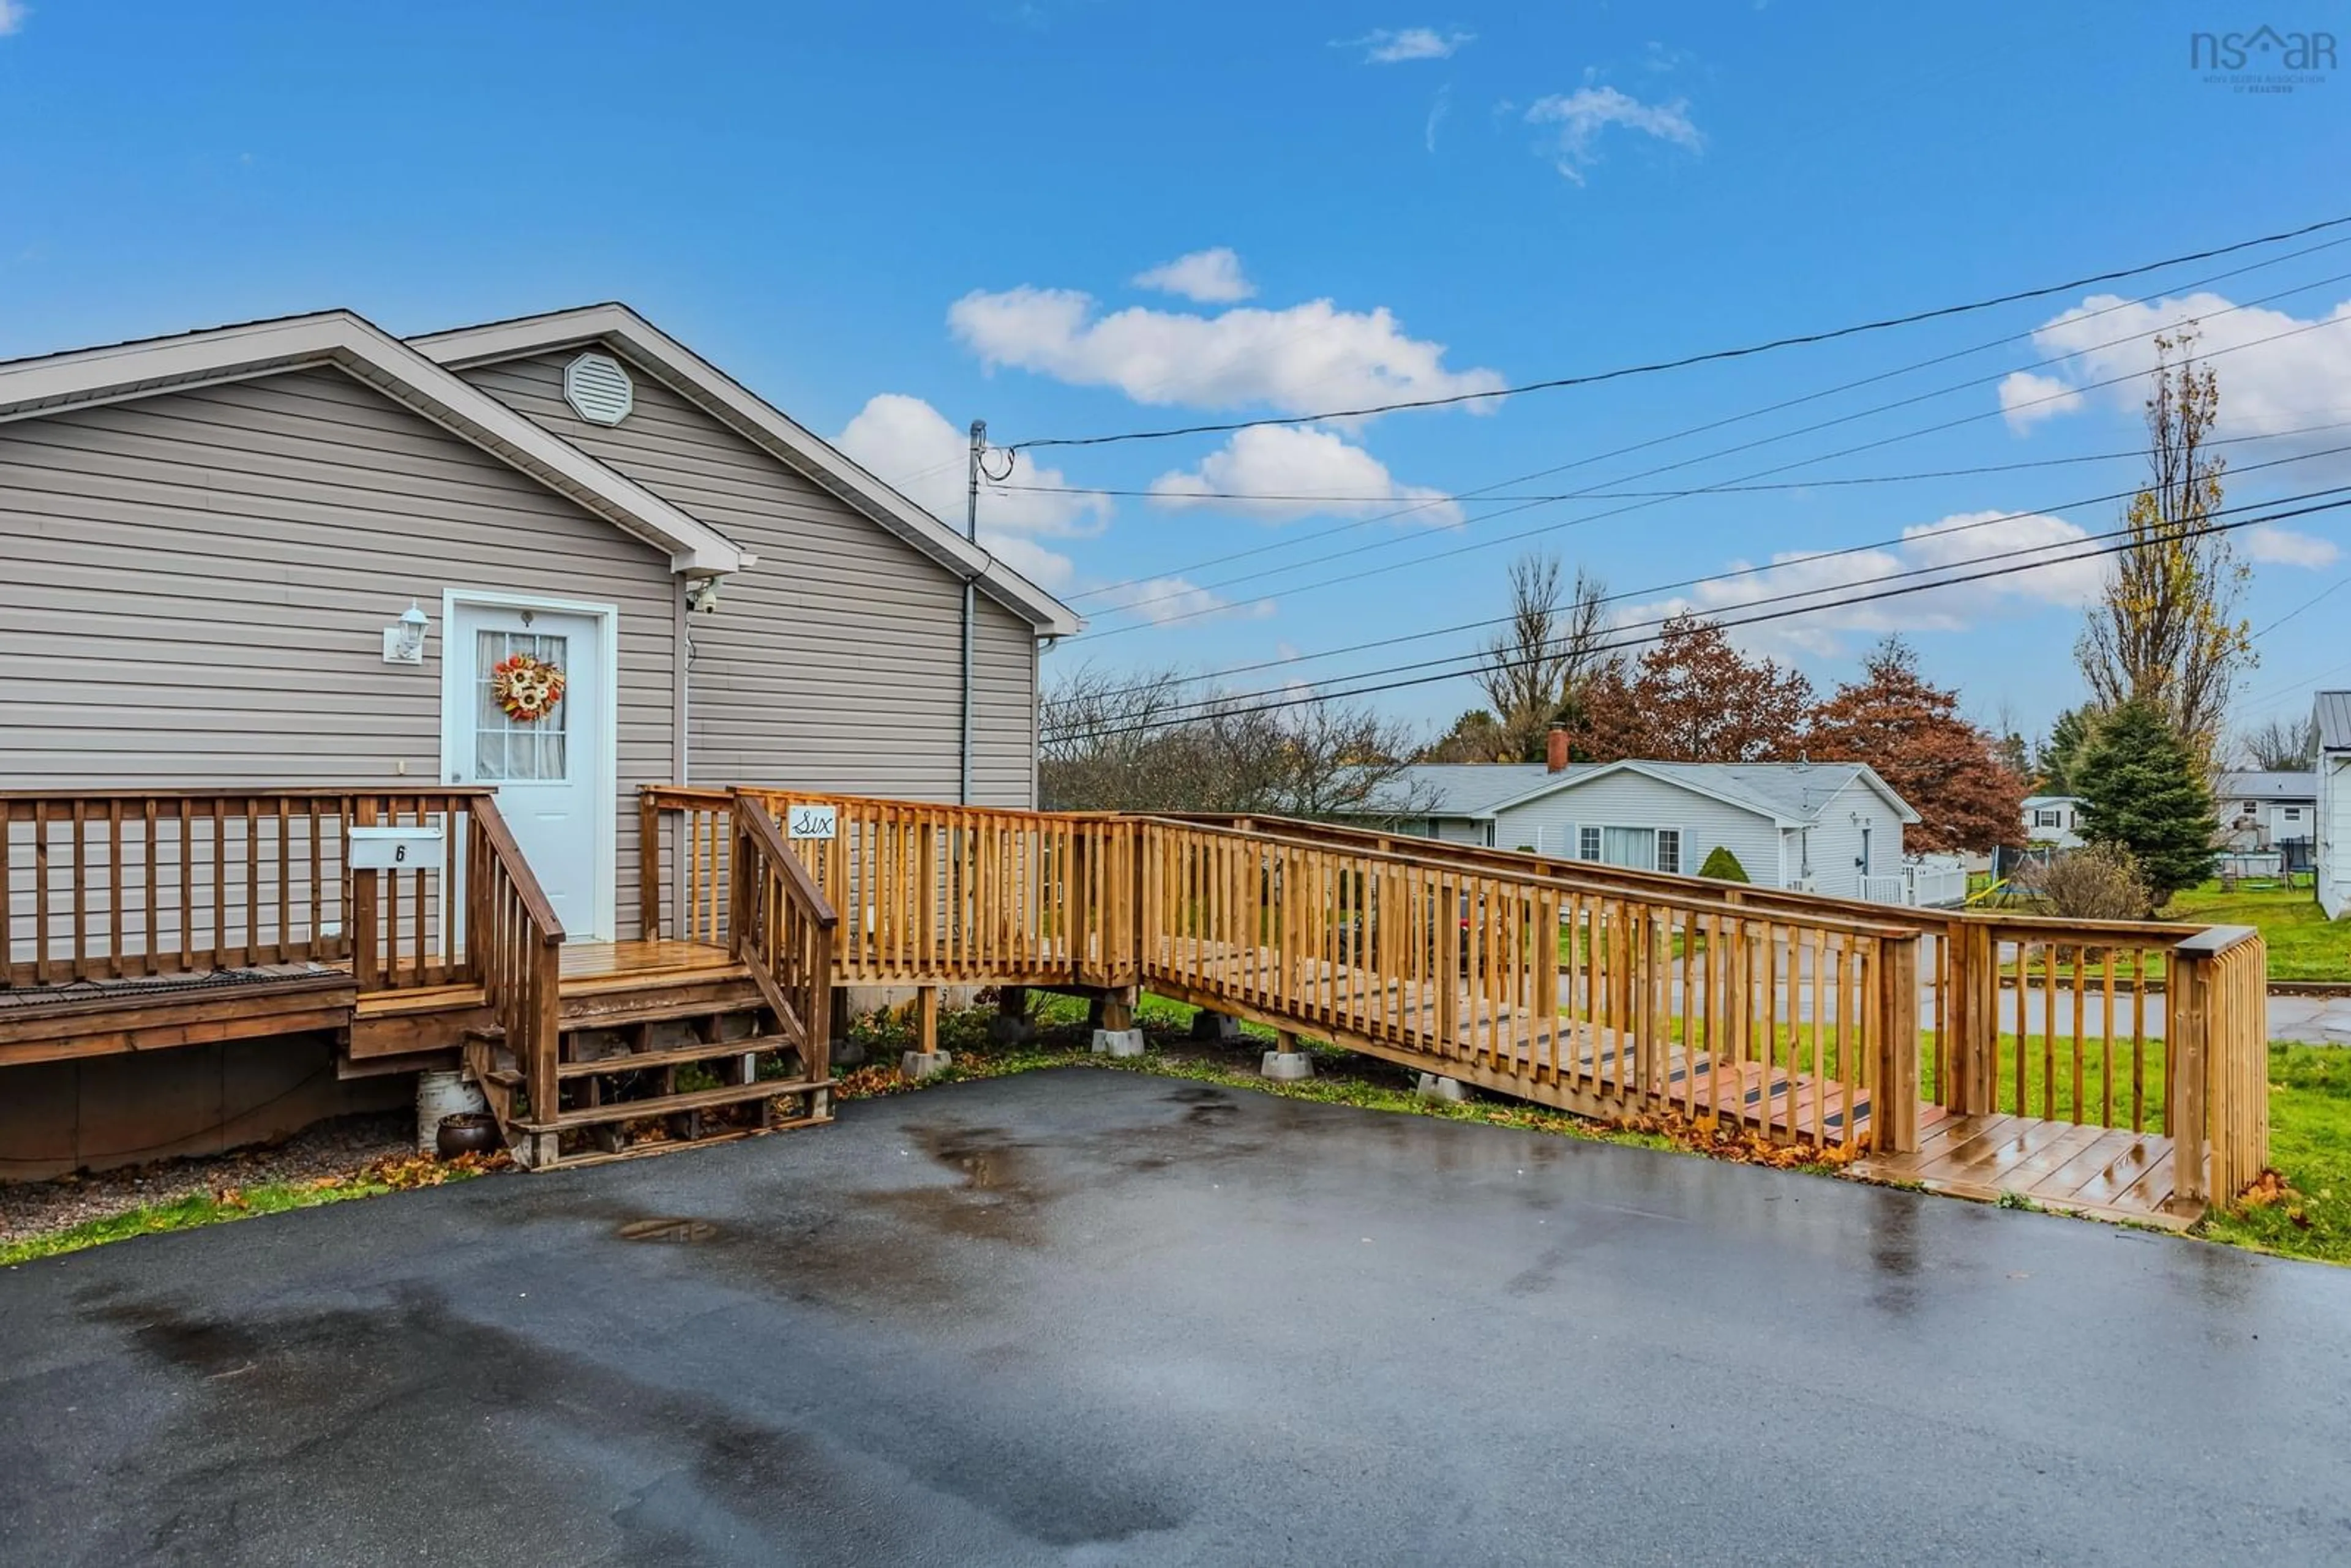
<point>393,848</point>
<point>811,822</point>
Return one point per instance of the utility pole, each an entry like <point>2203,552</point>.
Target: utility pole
<point>970,532</point>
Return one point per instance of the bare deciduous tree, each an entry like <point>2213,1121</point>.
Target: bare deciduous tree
<point>2166,633</point>
<point>2282,745</point>
<point>1144,741</point>
<point>1536,664</point>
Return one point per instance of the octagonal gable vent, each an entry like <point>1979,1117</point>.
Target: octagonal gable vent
<point>598,389</point>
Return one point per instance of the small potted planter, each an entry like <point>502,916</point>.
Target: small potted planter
<point>466,1133</point>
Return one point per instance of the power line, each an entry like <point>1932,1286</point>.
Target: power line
<point>1726,420</point>
<point>1478,659</point>
<point>1888,543</point>
<point>1912,477</point>
<point>2321,594</point>
<point>1638,505</point>
<point>1750,445</point>
<point>1820,604</point>
<point>1710,357</point>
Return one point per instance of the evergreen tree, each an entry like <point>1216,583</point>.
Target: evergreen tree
<point>2054,759</point>
<point>2141,789</point>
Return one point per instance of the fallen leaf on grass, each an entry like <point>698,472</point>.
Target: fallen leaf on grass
<point>2265,1189</point>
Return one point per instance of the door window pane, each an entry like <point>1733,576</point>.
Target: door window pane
<point>515,750</point>
<point>1587,843</point>
<point>1669,848</point>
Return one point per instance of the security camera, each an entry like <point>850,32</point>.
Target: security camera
<point>702,595</point>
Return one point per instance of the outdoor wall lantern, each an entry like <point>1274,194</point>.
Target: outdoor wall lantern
<point>404,643</point>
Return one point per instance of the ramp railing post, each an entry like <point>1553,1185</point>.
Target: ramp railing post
<point>1893,1104</point>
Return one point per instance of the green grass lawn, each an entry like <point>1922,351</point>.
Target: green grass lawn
<point>2310,1147</point>
<point>2303,945</point>
<point>187,1213</point>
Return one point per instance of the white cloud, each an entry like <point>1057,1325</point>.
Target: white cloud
<point>1211,276</point>
<point>2274,546</point>
<point>1298,461</point>
<point>1951,542</point>
<point>1297,360</point>
<point>908,443</point>
<point>1394,46</point>
<point>1436,115</point>
<point>1161,600</point>
<point>1965,537</point>
<point>2025,399</point>
<point>1582,115</point>
<point>12,16</point>
<point>2266,387</point>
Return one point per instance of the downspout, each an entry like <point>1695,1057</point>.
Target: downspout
<point>963,791</point>
<point>971,533</point>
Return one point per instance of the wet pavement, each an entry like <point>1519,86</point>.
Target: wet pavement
<point>1094,1317</point>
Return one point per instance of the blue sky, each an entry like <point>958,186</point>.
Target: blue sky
<point>893,220</point>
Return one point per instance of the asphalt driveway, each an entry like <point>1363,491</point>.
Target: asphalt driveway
<point>1097,1317</point>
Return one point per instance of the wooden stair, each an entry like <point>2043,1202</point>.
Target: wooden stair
<point>661,1044</point>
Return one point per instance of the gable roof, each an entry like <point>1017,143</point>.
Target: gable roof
<point>2333,711</point>
<point>1792,794</point>
<point>1467,789</point>
<point>721,397</point>
<point>84,378</point>
<point>2271,785</point>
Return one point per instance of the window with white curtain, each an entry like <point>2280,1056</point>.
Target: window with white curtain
<point>1641,848</point>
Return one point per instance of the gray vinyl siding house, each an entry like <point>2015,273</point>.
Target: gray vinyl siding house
<point>207,537</point>
<point>1835,828</point>
<point>833,594</point>
<point>195,579</point>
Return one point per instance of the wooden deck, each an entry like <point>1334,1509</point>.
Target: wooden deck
<point>134,921</point>
<point>2110,1172</point>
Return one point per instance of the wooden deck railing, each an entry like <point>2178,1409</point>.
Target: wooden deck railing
<point>2218,989</point>
<point>512,942</point>
<point>684,834</point>
<point>2088,1023</point>
<point>110,885</point>
<point>1778,1010</point>
<point>1521,981</point>
<point>783,930</point>
<point>925,893</point>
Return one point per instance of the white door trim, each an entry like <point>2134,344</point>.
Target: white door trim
<point>456,705</point>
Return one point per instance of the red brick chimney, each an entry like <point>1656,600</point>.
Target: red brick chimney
<point>1556,751</point>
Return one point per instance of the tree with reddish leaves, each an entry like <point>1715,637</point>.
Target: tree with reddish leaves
<point>1911,731</point>
<point>1693,698</point>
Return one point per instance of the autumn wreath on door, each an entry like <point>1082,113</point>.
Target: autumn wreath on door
<point>526,688</point>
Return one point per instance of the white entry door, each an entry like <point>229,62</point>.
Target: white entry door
<point>553,768</point>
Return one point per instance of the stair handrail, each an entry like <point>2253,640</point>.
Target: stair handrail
<point>780,927</point>
<point>513,942</point>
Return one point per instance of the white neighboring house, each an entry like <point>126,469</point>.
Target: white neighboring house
<point>2276,807</point>
<point>2332,856</point>
<point>1832,828</point>
<point>2053,820</point>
